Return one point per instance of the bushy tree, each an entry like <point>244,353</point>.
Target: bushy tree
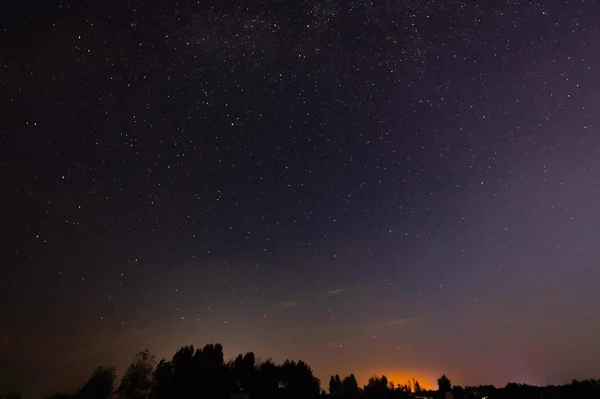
<point>268,379</point>
<point>100,385</point>
<point>335,386</point>
<point>185,383</point>
<point>244,372</point>
<point>350,386</point>
<point>137,380</point>
<point>162,386</point>
<point>444,384</point>
<point>194,372</point>
<point>377,387</point>
<point>298,379</point>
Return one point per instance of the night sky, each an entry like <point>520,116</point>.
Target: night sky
<point>400,187</point>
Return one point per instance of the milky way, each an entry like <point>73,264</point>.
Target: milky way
<point>399,187</point>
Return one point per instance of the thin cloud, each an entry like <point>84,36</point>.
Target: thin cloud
<point>400,321</point>
<point>333,292</point>
<point>287,304</point>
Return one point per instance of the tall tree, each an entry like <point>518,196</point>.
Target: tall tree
<point>350,386</point>
<point>162,387</point>
<point>377,387</point>
<point>268,378</point>
<point>335,386</point>
<point>444,384</point>
<point>416,386</point>
<point>244,372</point>
<point>137,380</point>
<point>298,379</point>
<point>212,373</point>
<point>185,383</point>
<point>100,385</point>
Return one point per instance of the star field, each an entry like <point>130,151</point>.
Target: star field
<point>408,187</point>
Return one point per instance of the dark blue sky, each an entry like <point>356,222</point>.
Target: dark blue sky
<point>409,188</point>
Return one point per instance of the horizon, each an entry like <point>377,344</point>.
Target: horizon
<point>427,379</point>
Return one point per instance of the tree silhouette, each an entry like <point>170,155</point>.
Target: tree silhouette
<point>192,373</point>
<point>335,386</point>
<point>212,372</point>
<point>416,386</point>
<point>244,372</point>
<point>401,390</point>
<point>100,385</point>
<point>444,384</point>
<point>299,381</point>
<point>458,391</point>
<point>350,387</point>
<point>185,374</point>
<point>162,387</point>
<point>377,387</point>
<point>268,378</point>
<point>202,373</point>
<point>137,380</point>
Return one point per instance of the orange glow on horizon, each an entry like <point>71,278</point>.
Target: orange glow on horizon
<point>427,380</point>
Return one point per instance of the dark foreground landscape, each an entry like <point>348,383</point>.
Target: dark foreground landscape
<point>204,373</point>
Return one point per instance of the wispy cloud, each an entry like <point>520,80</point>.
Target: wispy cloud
<point>287,304</point>
<point>333,292</point>
<point>400,321</point>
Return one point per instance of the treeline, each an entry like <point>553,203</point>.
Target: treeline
<point>204,373</point>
